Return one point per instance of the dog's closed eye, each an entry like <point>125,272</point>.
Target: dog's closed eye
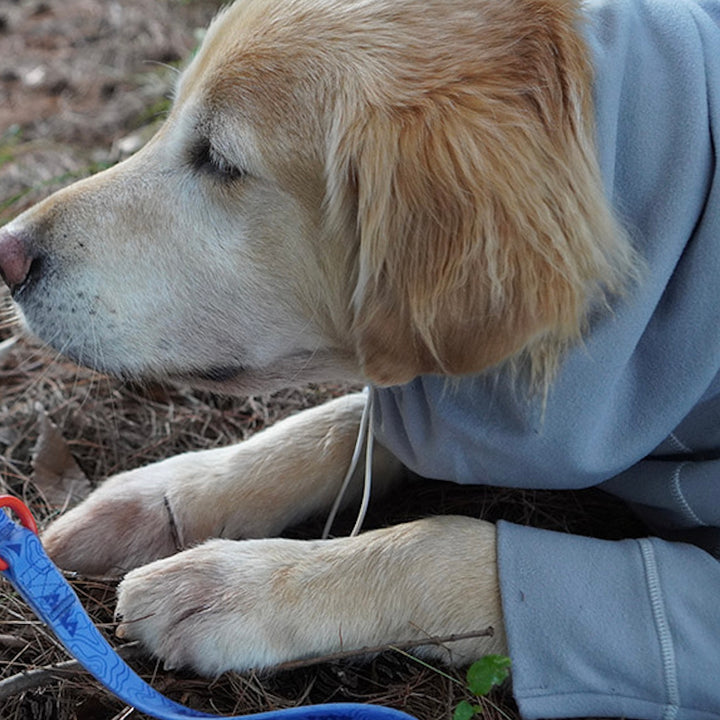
<point>204,158</point>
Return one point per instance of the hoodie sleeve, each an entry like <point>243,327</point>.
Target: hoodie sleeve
<point>610,628</point>
<point>632,628</point>
<point>629,628</point>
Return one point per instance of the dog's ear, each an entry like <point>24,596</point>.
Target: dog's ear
<point>483,229</point>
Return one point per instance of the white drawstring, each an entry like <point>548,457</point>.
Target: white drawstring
<point>364,430</point>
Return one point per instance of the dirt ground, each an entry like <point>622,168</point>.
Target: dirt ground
<point>83,83</point>
<point>78,79</point>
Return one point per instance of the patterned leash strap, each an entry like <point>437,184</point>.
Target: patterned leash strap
<point>26,565</point>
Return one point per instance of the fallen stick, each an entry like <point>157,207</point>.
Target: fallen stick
<point>40,677</point>
<point>374,650</point>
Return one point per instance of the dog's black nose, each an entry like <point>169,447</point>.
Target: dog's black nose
<point>15,259</point>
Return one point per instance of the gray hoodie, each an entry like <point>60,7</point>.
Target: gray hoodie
<point>628,628</point>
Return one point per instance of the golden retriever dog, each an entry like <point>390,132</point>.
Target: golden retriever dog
<point>388,192</point>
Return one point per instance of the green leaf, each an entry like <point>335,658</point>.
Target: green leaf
<point>486,672</point>
<point>464,711</point>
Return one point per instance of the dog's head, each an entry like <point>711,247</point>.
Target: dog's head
<point>343,189</point>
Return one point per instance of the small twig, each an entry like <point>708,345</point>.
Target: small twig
<point>426,665</point>
<point>174,530</point>
<point>12,641</point>
<point>32,679</point>
<point>40,677</point>
<point>375,649</point>
<point>124,713</point>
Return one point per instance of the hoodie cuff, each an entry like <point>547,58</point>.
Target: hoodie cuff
<point>611,629</point>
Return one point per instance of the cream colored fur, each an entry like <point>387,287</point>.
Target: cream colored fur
<point>356,190</point>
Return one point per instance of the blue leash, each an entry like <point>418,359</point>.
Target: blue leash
<point>26,565</point>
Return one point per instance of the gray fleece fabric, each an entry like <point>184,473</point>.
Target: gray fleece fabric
<point>628,628</point>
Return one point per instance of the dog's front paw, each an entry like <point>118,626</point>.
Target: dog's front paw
<point>131,519</point>
<point>222,605</point>
<point>235,605</point>
<point>109,533</point>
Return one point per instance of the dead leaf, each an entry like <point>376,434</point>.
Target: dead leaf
<point>56,474</point>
